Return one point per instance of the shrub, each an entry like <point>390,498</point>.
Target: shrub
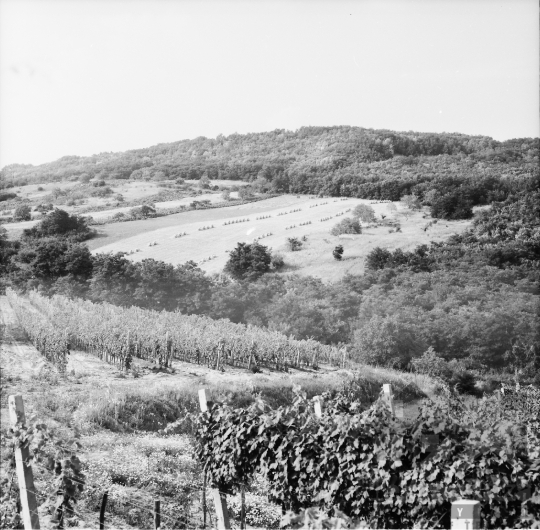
<point>338,253</point>
<point>44,207</point>
<point>294,244</point>
<point>248,261</point>
<point>142,212</point>
<point>347,226</point>
<point>103,192</point>
<point>22,213</point>
<point>378,258</point>
<point>60,223</point>
<point>6,196</point>
<point>204,182</point>
<point>277,262</point>
<point>452,206</point>
<point>365,213</point>
<point>244,192</point>
<point>412,202</point>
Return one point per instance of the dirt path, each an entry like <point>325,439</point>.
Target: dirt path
<point>18,358</point>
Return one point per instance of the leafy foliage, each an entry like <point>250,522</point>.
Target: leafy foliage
<point>248,261</point>
<point>365,213</point>
<point>324,463</point>
<point>60,458</point>
<point>22,213</point>
<point>347,226</point>
<point>338,253</point>
<point>294,244</point>
<point>452,205</point>
<point>60,223</point>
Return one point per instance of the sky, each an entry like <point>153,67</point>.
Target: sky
<point>79,77</point>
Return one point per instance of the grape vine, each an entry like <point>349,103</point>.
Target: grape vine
<point>370,466</point>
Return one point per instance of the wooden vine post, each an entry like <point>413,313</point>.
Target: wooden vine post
<point>389,398</point>
<point>157,515</point>
<point>24,469</point>
<point>317,406</point>
<point>220,500</point>
<point>102,511</point>
<point>167,349</point>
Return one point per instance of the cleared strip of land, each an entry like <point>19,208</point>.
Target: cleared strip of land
<point>314,259</point>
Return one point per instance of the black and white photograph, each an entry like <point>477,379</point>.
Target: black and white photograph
<point>269,264</point>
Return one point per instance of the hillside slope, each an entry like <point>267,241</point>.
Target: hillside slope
<point>314,259</point>
<point>285,159</point>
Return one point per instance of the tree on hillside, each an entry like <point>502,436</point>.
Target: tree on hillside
<point>204,182</point>
<point>452,206</point>
<point>244,192</point>
<point>338,253</point>
<point>412,202</point>
<point>248,261</point>
<point>142,212</point>
<point>226,195</point>
<point>47,259</point>
<point>378,258</point>
<point>294,244</point>
<point>60,223</point>
<point>386,340</point>
<point>365,213</point>
<point>347,226</point>
<point>22,213</point>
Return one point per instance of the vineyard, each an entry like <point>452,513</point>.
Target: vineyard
<point>117,335</point>
<point>365,466</point>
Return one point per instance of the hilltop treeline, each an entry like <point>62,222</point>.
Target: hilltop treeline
<point>474,297</point>
<point>338,161</point>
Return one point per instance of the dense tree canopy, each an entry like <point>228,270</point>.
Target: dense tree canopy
<point>248,261</point>
<point>60,223</point>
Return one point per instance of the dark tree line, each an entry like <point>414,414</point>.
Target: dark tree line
<point>461,170</point>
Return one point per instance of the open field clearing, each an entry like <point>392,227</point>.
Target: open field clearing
<point>316,257</point>
<point>134,192</point>
<point>115,232</point>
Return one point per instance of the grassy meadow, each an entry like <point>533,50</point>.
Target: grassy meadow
<point>314,259</point>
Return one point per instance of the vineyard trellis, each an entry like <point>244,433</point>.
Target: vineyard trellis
<point>51,341</point>
<point>117,335</point>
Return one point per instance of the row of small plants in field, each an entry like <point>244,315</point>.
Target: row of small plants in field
<point>290,211</point>
<point>365,465</point>
<point>117,334</point>
<point>267,234</point>
<point>236,221</point>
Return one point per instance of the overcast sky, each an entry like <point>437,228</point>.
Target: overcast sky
<point>79,77</point>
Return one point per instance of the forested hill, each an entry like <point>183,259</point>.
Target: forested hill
<point>340,160</point>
